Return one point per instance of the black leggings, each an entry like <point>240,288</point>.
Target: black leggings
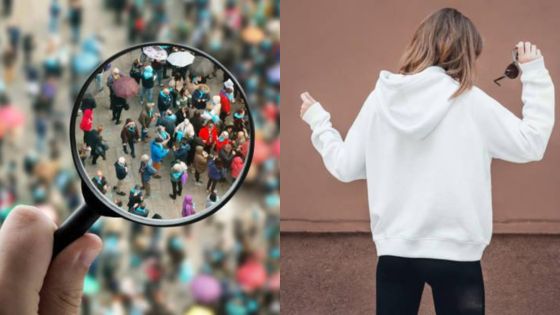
<point>457,286</point>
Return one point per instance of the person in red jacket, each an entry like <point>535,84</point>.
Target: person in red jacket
<point>87,121</point>
<point>226,98</point>
<point>209,135</point>
<point>237,165</point>
<point>223,140</point>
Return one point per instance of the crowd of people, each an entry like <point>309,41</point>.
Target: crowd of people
<point>197,124</point>
<point>143,270</point>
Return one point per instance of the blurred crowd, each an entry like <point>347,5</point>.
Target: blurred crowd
<point>227,264</point>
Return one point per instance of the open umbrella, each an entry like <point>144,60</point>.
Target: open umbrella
<point>92,45</point>
<point>206,289</point>
<point>84,63</point>
<point>273,74</point>
<point>125,87</point>
<point>155,52</point>
<point>252,34</point>
<point>274,282</point>
<point>202,67</point>
<point>10,118</point>
<point>180,58</point>
<point>251,275</point>
<point>199,310</point>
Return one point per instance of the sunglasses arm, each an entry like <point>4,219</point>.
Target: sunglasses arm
<point>499,79</point>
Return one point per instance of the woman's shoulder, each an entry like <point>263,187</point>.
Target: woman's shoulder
<point>478,96</point>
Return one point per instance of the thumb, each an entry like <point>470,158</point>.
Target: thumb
<point>62,289</point>
<point>520,48</point>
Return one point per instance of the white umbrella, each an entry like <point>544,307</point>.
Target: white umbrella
<point>155,52</point>
<point>202,66</point>
<point>180,58</point>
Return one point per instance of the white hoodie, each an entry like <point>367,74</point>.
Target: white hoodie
<point>426,157</point>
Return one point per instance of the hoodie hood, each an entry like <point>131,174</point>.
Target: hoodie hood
<point>416,103</point>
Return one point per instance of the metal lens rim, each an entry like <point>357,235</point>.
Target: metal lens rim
<point>148,221</point>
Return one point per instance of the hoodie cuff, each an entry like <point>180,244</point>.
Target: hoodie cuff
<point>315,114</point>
<point>537,64</point>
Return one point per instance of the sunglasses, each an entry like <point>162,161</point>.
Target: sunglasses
<point>512,70</point>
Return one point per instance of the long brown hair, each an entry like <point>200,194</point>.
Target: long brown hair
<point>447,39</point>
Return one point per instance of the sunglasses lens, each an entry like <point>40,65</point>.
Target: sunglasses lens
<point>512,71</point>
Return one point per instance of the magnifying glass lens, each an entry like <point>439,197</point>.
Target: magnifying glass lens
<point>166,136</point>
<point>161,135</point>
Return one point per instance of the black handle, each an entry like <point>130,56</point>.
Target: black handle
<point>75,226</point>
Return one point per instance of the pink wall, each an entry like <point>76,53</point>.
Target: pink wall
<point>335,49</point>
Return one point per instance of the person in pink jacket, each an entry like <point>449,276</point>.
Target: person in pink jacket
<point>236,165</point>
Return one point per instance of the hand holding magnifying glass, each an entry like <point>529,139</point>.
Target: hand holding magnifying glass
<point>29,282</point>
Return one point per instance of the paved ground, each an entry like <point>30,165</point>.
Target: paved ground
<point>335,274</point>
<point>159,202</point>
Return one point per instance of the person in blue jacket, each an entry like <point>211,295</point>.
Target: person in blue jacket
<point>181,152</point>
<point>164,101</point>
<point>146,172</point>
<point>121,170</point>
<point>148,78</point>
<point>214,174</point>
<point>135,197</point>
<point>158,153</point>
<point>140,209</point>
<point>176,176</point>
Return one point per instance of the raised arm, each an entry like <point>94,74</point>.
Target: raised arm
<point>344,159</point>
<point>521,140</point>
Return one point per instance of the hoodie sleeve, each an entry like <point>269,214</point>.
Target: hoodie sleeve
<point>521,140</point>
<point>344,159</point>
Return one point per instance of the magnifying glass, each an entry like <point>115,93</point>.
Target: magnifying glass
<point>154,150</point>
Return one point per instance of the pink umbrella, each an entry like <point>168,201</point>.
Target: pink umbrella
<point>251,275</point>
<point>261,151</point>
<point>206,289</point>
<point>155,52</point>
<point>276,148</point>
<point>274,282</point>
<point>10,118</point>
<point>270,111</point>
<point>125,87</point>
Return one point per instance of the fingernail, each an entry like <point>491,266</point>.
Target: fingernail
<point>87,256</point>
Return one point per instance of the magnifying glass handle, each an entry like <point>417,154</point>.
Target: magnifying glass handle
<point>75,226</point>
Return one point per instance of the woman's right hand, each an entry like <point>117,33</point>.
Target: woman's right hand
<point>307,100</point>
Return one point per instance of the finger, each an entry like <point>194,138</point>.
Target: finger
<point>520,49</point>
<point>62,290</point>
<point>534,50</point>
<point>527,48</point>
<point>311,99</point>
<point>26,240</point>
<point>306,97</point>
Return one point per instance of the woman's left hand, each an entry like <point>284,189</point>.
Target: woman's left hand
<point>308,100</point>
